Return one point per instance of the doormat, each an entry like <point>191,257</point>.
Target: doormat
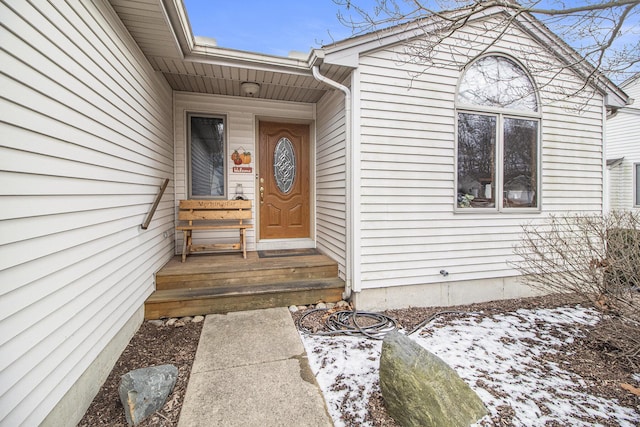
<point>287,252</point>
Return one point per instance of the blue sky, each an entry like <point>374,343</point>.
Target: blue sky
<point>277,27</point>
<point>273,27</point>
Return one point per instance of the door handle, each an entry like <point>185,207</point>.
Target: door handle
<point>261,195</point>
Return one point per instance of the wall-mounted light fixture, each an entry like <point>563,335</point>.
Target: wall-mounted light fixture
<point>249,88</point>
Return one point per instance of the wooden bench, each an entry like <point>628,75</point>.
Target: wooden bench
<point>213,215</point>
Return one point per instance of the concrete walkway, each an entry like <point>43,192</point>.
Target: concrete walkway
<point>251,369</point>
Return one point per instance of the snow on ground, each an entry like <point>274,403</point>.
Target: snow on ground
<point>502,357</point>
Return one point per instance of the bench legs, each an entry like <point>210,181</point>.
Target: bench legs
<point>243,242</point>
<point>186,244</point>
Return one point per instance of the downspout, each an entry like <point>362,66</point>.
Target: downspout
<point>349,177</point>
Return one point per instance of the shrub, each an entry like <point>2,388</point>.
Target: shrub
<point>596,257</point>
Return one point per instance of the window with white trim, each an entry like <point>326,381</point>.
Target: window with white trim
<point>498,133</point>
<point>206,156</point>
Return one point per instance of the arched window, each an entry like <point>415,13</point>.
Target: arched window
<point>498,123</point>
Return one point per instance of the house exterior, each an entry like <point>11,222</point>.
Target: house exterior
<point>415,179</point>
<point>623,151</point>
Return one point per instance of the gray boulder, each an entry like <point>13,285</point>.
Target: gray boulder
<point>144,391</point>
<point>420,389</point>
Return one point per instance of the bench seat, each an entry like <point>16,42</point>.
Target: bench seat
<point>198,215</point>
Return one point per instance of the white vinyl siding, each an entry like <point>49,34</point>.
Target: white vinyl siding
<point>623,141</point>
<point>241,116</point>
<point>407,134</point>
<point>85,142</point>
<point>331,178</point>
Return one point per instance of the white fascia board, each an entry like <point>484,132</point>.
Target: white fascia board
<point>345,59</point>
<point>614,96</point>
<point>199,50</point>
<point>346,52</point>
<point>178,22</point>
<point>630,81</point>
<point>210,54</point>
<point>615,100</point>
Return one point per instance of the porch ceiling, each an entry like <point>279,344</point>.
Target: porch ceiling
<point>193,64</point>
<point>210,76</point>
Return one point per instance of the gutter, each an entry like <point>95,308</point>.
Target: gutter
<point>349,177</point>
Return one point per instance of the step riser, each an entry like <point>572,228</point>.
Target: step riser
<point>211,280</point>
<point>222,284</point>
<point>225,304</point>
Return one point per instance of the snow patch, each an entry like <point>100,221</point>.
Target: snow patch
<point>502,357</point>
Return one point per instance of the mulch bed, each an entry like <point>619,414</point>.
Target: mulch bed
<point>156,345</point>
<point>152,345</point>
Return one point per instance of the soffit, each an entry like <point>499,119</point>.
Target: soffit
<point>148,23</point>
<point>191,64</point>
<point>223,79</point>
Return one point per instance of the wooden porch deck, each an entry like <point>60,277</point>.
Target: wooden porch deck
<point>220,283</point>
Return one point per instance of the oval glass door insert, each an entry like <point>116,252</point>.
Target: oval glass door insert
<point>284,165</point>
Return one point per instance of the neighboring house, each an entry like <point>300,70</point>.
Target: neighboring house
<point>623,151</point>
<point>416,180</point>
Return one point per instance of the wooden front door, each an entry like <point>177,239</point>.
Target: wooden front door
<point>283,183</point>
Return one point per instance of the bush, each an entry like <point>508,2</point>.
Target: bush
<point>596,257</point>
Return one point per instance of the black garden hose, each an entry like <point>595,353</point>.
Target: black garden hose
<point>345,322</point>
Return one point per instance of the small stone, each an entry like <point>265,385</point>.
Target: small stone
<point>157,322</point>
<point>293,308</point>
<point>172,321</point>
<point>302,307</point>
<point>331,305</point>
<point>186,319</point>
<point>342,303</point>
<point>179,324</point>
<point>198,319</point>
<point>321,305</point>
<point>144,391</point>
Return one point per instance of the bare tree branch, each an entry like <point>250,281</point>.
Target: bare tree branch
<point>604,34</point>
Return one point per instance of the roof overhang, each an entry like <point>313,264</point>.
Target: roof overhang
<point>193,64</point>
<point>346,52</point>
<point>612,163</point>
<point>196,64</point>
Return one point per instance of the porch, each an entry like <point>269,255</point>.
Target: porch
<point>221,283</point>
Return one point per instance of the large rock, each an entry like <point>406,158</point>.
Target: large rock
<point>144,391</point>
<point>420,389</point>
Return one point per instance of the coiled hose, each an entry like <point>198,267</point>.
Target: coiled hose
<point>345,322</point>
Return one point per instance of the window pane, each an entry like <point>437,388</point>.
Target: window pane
<point>495,81</point>
<point>284,165</point>
<point>520,163</point>
<point>476,160</point>
<point>207,157</point>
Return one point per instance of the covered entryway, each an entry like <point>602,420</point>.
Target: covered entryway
<point>283,188</point>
